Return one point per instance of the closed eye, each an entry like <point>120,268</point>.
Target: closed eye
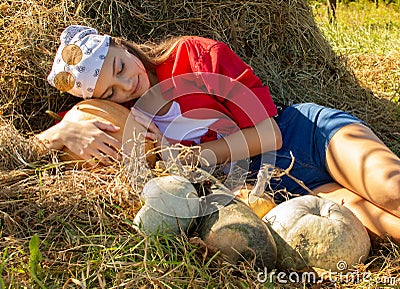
<point>121,68</point>
<point>111,94</point>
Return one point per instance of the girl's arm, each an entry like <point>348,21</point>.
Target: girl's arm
<point>263,137</point>
<point>51,137</point>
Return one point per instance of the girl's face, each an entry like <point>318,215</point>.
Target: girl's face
<point>122,77</point>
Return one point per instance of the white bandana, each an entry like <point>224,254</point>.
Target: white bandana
<point>78,60</point>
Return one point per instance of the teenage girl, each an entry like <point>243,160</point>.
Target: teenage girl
<point>195,90</point>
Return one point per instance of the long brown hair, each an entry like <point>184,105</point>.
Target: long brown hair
<point>151,54</point>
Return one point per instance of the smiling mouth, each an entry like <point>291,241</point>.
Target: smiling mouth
<point>137,86</point>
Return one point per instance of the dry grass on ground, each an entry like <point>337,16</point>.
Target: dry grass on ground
<point>63,228</point>
<point>380,73</point>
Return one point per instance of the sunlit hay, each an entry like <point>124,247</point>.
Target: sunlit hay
<point>136,168</point>
<point>72,195</point>
<point>381,73</point>
<point>17,150</point>
<point>29,30</point>
<point>70,211</point>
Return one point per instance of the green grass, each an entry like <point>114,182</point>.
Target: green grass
<point>369,38</point>
<point>109,260</point>
<point>361,28</point>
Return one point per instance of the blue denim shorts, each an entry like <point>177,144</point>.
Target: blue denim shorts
<point>306,131</point>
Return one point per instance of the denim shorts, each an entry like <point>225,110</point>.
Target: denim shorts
<point>306,131</point>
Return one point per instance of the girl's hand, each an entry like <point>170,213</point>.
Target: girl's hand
<point>89,139</point>
<point>153,132</point>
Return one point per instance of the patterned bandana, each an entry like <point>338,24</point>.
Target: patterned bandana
<point>78,60</point>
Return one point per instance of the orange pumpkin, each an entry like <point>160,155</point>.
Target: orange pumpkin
<point>260,205</point>
<point>116,114</point>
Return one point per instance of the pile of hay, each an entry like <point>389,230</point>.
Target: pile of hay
<point>84,219</point>
<point>278,38</point>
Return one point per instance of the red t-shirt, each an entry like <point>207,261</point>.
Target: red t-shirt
<point>229,87</point>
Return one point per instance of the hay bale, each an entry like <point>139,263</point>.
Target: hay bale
<point>18,151</point>
<point>278,38</point>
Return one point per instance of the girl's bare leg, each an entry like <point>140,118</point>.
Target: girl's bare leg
<point>368,174</point>
<point>358,160</point>
<point>378,221</point>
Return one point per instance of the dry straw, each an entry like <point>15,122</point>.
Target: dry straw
<point>78,213</point>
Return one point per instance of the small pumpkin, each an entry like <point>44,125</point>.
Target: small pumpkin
<point>171,204</point>
<point>237,232</point>
<point>114,113</point>
<point>310,231</point>
<point>261,205</point>
<point>255,196</point>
